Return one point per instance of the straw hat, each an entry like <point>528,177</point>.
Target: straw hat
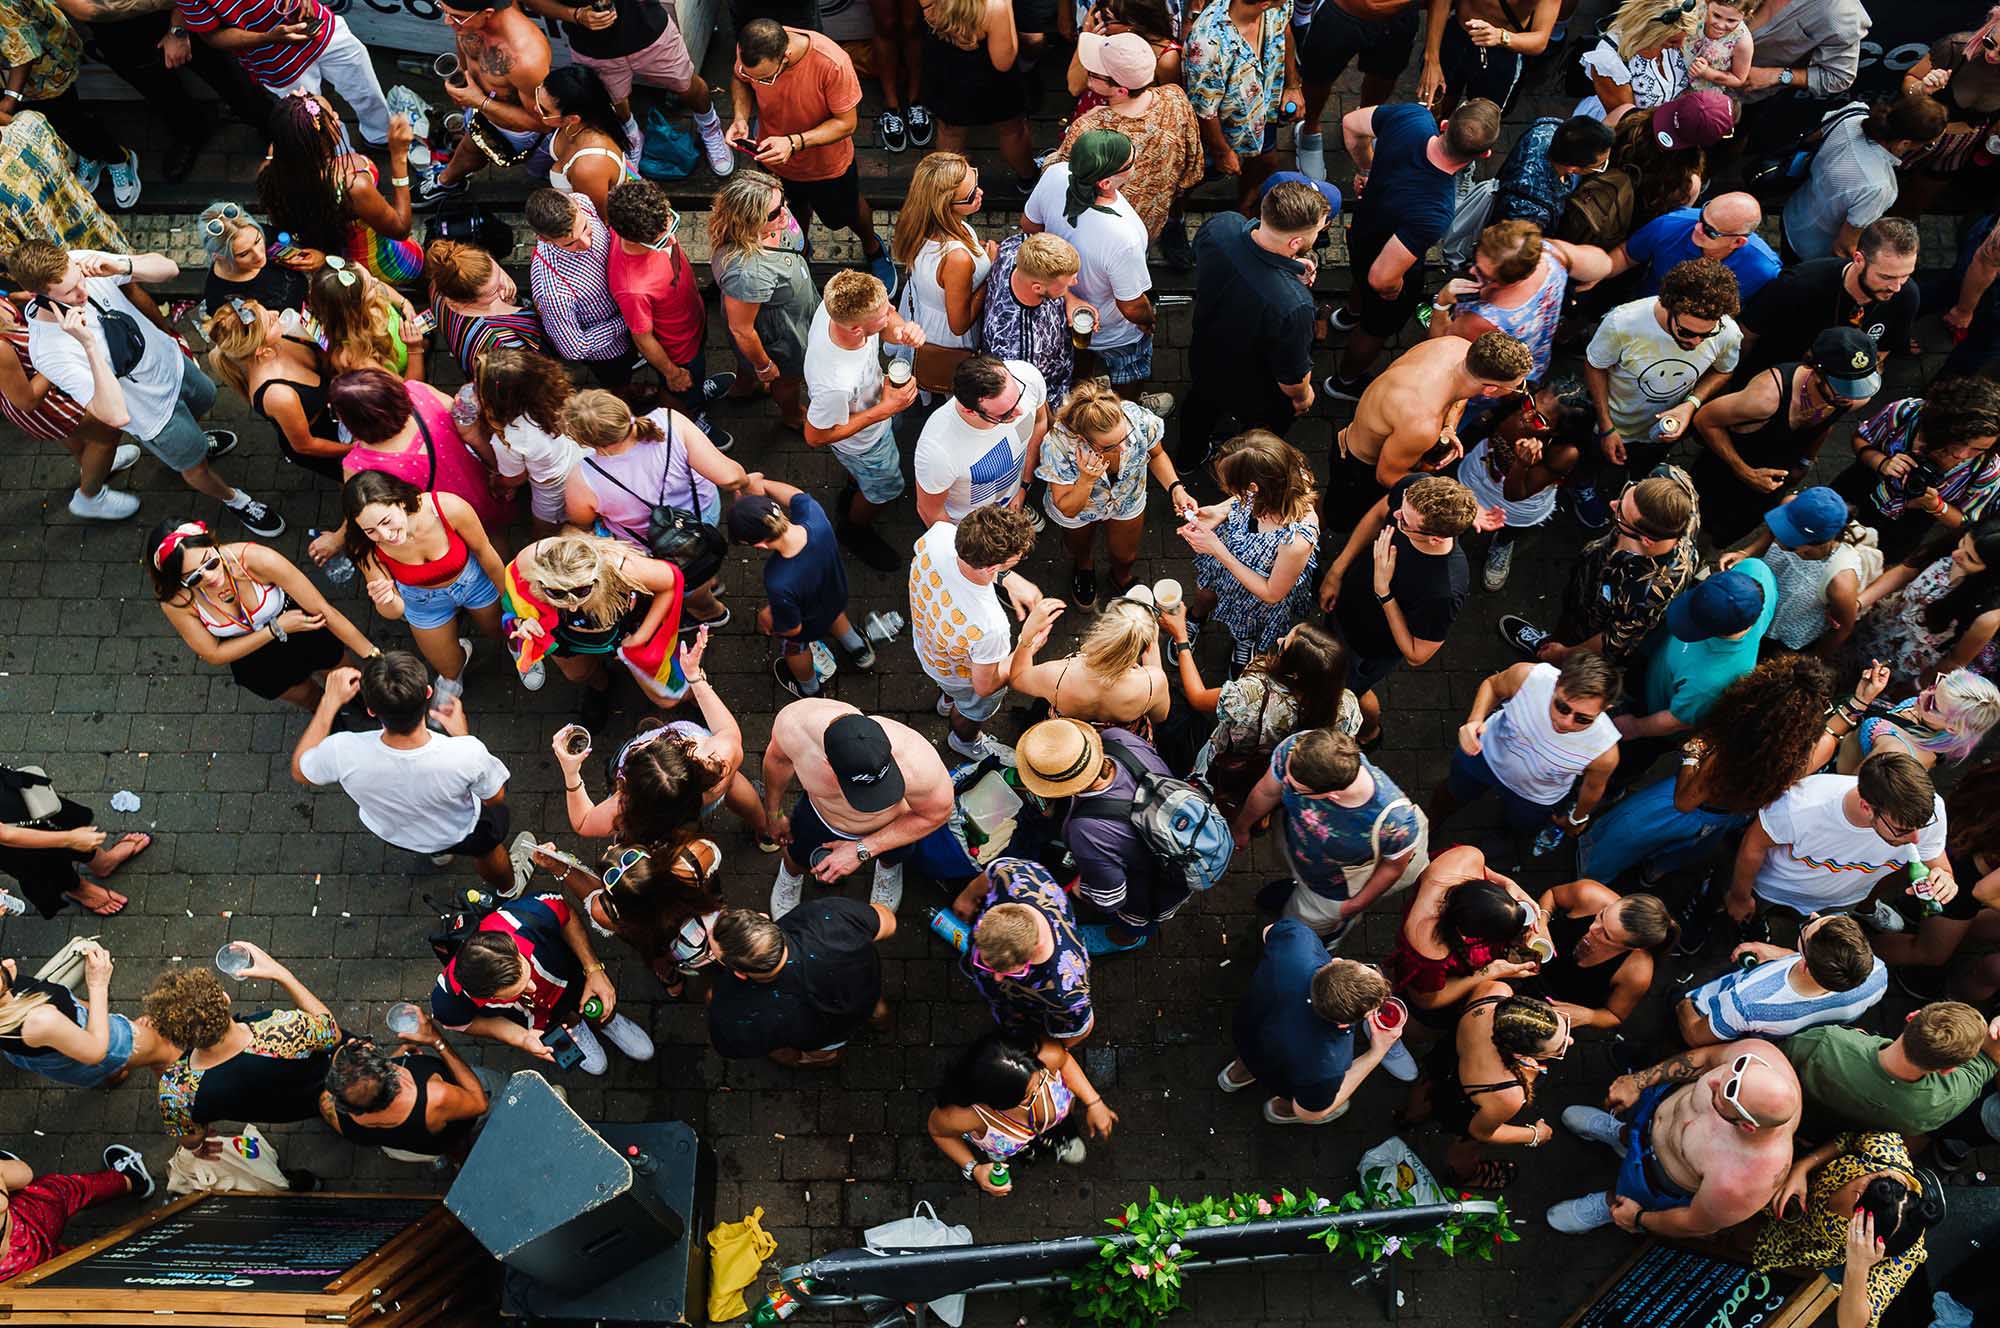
<point>1059,757</point>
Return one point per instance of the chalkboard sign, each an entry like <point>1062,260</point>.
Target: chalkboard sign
<point>249,1242</point>
<point>1671,1286</point>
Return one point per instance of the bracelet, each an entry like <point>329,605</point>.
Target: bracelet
<point>592,967</point>
<point>277,632</point>
<point>1094,1102</point>
<point>576,787</point>
<point>400,182</point>
<point>11,95</point>
<point>798,142</point>
<point>1575,821</point>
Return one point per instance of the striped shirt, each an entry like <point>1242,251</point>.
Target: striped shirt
<point>1763,1003</point>
<point>573,291</point>
<point>58,416</point>
<point>278,64</point>
<point>470,337</point>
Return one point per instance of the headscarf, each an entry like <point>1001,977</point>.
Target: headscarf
<point>1098,155</point>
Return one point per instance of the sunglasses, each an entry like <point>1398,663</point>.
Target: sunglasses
<point>666,241</point>
<point>189,580</point>
<point>1564,708</point>
<point>1732,1091</point>
<point>969,199</point>
<point>615,873</point>
<point>1687,333</point>
<point>244,312</point>
<point>1404,526</point>
<point>987,968</point>
<point>343,271</point>
<point>1012,412</point>
<point>1531,415</point>
<point>218,223</point>
<point>784,62</point>
<point>567,594</point>
<point>1708,229</point>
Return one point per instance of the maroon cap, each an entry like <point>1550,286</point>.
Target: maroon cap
<point>1696,120</point>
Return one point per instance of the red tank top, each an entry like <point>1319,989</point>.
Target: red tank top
<point>438,572</point>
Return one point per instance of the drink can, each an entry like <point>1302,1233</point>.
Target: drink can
<point>234,959</point>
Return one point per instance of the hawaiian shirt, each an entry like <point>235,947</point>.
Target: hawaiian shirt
<point>37,34</point>
<point>1119,494</point>
<point>1323,838</point>
<point>40,198</point>
<point>277,1035</point>
<point>1530,188</point>
<point>1009,330</point>
<point>1818,1241</point>
<point>1625,595</point>
<point>1053,997</point>
<point>1228,81</point>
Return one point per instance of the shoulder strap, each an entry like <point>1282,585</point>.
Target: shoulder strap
<point>592,463</point>
<point>430,448</point>
<point>1055,702</point>
<point>1375,835</point>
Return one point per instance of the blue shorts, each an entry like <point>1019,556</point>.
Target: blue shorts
<point>937,855</point>
<point>1471,776</point>
<point>1129,364</point>
<point>1638,1173</point>
<point>877,472</point>
<point>54,1065</point>
<point>438,606</point>
<point>181,443</point>
<point>970,705</point>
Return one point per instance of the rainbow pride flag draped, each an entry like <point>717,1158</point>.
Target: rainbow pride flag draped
<point>655,661</point>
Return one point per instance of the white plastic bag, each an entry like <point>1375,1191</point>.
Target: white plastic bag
<point>248,1163</point>
<point>1394,1165</point>
<point>922,1230</point>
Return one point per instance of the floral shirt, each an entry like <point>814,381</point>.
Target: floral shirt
<point>1052,998</point>
<point>1120,493</point>
<point>1969,486</point>
<point>1625,595</point>
<point>1166,145</point>
<point>1323,838</point>
<point>1530,188</point>
<point>1819,1240</point>
<point>1250,714</point>
<point>37,34</point>
<point>1009,330</point>
<point>40,198</point>
<point>275,1079</point>
<point>1229,81</point>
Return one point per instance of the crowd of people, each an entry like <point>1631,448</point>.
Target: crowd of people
<point>1613,354</point>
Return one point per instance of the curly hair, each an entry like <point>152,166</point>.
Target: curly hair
<point>188,1007</point>
<point>300,186</point>
<point>1701,288</point>
<point>1959,410</point>
<point>1499,358</point>
<point>1447,507</point>
<point>512,383</point>
<point>1762,729</point>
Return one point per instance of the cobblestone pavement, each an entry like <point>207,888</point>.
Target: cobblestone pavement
<point>94,686</point>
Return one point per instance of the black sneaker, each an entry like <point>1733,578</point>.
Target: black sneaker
<point>301,1180</point>
<point>922,127</point>
<point>1524,637</point>
<point>260,519</point>
<point>1176,251</point>
<point>716,386</point>
<point>1083,587</point>
<point>221,442</point>
<point>718,437</point>
<point>1343,389</point>
<point>691,624</point>
<point>790,684</point>
<point>891,132</point>
<point>870,548</point>
<point>125,1160</point>
<point>430,192</point>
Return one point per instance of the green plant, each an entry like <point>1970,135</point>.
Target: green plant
<point>1140,1283</point>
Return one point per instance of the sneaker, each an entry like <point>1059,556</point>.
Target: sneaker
<point>430,192</point>
<point>1160,403</point>
<point>870,548</point>
<point>718,437</point>
<point>984,746</point>
<point>89,173</point>
<point>1399,1063</point>
<point>943,706</point>
<point>1336,388</point>
<point>108,504</point>
<point>1883,918</point>
<point>1343,318</point>
<point>521,856</point>
<point>125,181</point>
<point>864,658</point>
<point>1286,1117</point>
<point>721,157</point>
<point>788,682</point>
<point>1590,508</point>
<point>536,674</point>
<point>1083,587</point>
<point>765,844</point>
<point>1229,1085</point>
<point>1600,1127</point>
<point>691,624</point>
<point>922,127</point>
<point>1522,636</point>
<point>628,1037</point>
<point>1071,1152</point>
<point>1499,562</point>
<point>221,442</point>
<point>126,457</point>
<point>1573,1217</point>
<point>884,268</point>
<point>595,1061</point>
<point>1035,517</point>
<point>1310,155</point>
<point>887,887</point>
<point>891,132</point>
<point>786,892</point>
<point>260,519</point>
<point>125,1160</point>
<point>1176,251</point>
<point>716,386</point>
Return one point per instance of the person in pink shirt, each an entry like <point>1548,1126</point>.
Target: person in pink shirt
<point>655,288</point>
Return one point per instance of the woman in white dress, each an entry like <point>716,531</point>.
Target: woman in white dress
<point>947,264</point>
<point>1640,62</point>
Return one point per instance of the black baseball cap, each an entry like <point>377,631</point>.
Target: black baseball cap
<point>750,518</point>
<point>858,750</point>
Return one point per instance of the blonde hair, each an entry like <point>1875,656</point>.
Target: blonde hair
<point>233,342</point>
<point>353,311</point>
<point>1638,24</point>
<point>736,218</point>
<point>960,23</point>
<point>1005,935</point>
<point>570,562</point>
<point>598,419</point>
<point>852,295</point>
<point>1117,639</point>
<point>929,209</point>
<point>15,1007</point>
<point>1091,407</point>
<point>1044,257</point>
<point>457,271</point>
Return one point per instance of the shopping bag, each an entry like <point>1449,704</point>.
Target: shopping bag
<point>1393,1165</point>
<point>248,1163</point>
<point>922,1230</point>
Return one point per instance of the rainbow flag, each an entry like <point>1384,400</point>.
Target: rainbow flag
<point>656,661</point>
<point>518,605</point>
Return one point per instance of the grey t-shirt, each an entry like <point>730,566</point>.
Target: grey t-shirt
<point>781,281</point>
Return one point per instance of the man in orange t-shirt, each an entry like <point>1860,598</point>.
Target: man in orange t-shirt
<point>803,91</point>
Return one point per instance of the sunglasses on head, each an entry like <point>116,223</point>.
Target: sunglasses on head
<point>987,968</point>
<point>244,313</point>
<point>344,271</point>
<point>218,223</point>
<point>1732,1091</point>
<point>615,873</point>
<point>189,580</point>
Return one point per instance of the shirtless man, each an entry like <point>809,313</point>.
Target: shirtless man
<point>871,790</point>
<point>1407,419</point>
<point>1706,1141</point>
<point>1475,48</point>
<point>503,56</point>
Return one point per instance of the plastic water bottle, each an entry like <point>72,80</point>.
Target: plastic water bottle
<point>952,929</point>
<point>1548,840</point>
<point>12,904</point>
<point>339,569</point>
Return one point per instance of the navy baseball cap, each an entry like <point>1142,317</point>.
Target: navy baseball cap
<point>1816,515</point>
<point>1725,604</point>
<point>1847,357</point>
<point>1330,192</point>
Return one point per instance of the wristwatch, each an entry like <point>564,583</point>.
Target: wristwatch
<point>862,853</point>
<point>1785,77</point>
<point>967,1170</point>
<point>1175,649</point>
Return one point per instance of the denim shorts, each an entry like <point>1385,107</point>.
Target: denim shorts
<point>1471,776</point>
<point>438,606</point>
<point>969,705</point>
<point>54,1065</point>
<point>1129,364</point>
<point>181,443</point>
<point>878,471</point>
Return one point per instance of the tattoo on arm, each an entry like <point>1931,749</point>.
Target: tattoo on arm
<point>1679,1069</point>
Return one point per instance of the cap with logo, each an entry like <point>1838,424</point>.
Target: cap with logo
<point>1846,357</point>
<point>1725,604</point>
<point>1815,516</point>
<point>858,750</point>
<point>749,518</point>
<point>1125,58</point>
<point>1695,120</point>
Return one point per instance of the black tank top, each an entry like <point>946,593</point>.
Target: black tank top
<point>1563,979</point>
<point>1777,443</point>
<point>412,1135</point>
<point>59,998</point>
<point>319,415</point>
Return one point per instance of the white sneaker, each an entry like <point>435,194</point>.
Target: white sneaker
<point>721,157</point>
<point>1071,1152</point>
<point>89,173</point>
<point>887,889</point>
<point>786,892</point>
<point>1881,917</point>
<point>125,180</point>
<point>594,1059</point>
<point>520,855</point>
<point>108,505</point>
<point>537,674</point>
<point>986,746</point>
<point>1160,403</point>
<point>126,457</point>
<point>1311,155</point>
<point>1573,1217</point>
<point>943,706</point>
<point>1600,1127</point>
<point>1227,1084</point>
<point>628,1037</point>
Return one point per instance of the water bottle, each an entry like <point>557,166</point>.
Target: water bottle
<point>11,904</point>
<point>339,569</point>
<point>1548,840</point>
<point>952,929</point>
<point>1748,962</point>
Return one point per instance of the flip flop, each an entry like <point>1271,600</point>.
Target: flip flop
<point>140,838</point>
<point>1097,940</point>
<point>1490,1174</point>
<point>113,905</point>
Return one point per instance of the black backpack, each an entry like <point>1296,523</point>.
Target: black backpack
<point>458,918</point>
<point>1773,177</point>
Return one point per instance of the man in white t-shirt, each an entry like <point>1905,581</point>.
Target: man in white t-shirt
<point>1078,201</point>
<point>959,625</point>
<point>981,447</point>
<point>154,390</point>
<point>1830,838</point>
<point>440,794</point>
<point>849,407</point>
<point>1654,361</point>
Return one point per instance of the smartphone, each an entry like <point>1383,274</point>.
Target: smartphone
<point>567,1053</point>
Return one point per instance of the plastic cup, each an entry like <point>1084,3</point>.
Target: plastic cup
<point>1391,1014</point>
<point>898,372</point>
<point>404,1017</point>
<point>1140,592</point>
<point>234,959</point>
<point>1167,595</point>
<point>446,66</point>
<point>575,739</point>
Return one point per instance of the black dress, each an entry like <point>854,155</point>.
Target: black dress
<point>319,415</point>
<point>46,874</point>
<point>1563,979</point>
<point>963,88</point>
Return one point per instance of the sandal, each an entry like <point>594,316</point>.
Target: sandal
<point>1490,1174</point>
<point>110,902</point>
<point>119,852</point>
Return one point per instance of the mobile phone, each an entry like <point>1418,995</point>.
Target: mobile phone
<point>559,1042</point>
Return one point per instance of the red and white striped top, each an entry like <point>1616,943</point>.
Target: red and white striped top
<point>278,64</point>
<point>58,416</point>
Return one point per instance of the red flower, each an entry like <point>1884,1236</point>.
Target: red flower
<point>1465,1194</point>
<point>1496,1238</point>
<point>1117,1221</point>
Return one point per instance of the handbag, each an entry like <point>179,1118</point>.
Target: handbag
<point>65,966</point>
<point>671,152</point>
<point>674,534</point>
<point>1356,875</point>
<point>26,796</point>
<point>934,366</point>
<point>923,1230</point>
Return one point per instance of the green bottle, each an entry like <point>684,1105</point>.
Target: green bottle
<point>593,1009</point>
<point>999,1178</point>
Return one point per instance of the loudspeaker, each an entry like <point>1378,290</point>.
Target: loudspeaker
<point>602,1224</point>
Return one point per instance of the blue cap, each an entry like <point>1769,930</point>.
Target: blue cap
<point>1725,604</point>
<point>1814,516</point>
<point>1331,192</point>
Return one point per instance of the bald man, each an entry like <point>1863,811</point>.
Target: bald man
<point>1706,1140</point>
<point>1725,229</point>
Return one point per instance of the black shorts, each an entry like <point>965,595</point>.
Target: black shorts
<point>1467,75</point>
<point>276,668</point>
<point>1381,48</point>
<point>836,202</point>
<point>488,832</point>
<point>1351,489</point>
<point>1379,317</point>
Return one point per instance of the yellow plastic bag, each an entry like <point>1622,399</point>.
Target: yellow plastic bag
<point>736,1253</point>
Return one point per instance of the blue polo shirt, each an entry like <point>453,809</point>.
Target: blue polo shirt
<point>1669,239</point>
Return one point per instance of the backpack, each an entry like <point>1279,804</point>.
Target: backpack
<point>1600,212</point>
<point>458,918</point>
<point>1176,820</point>
<point>1784,170</point>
